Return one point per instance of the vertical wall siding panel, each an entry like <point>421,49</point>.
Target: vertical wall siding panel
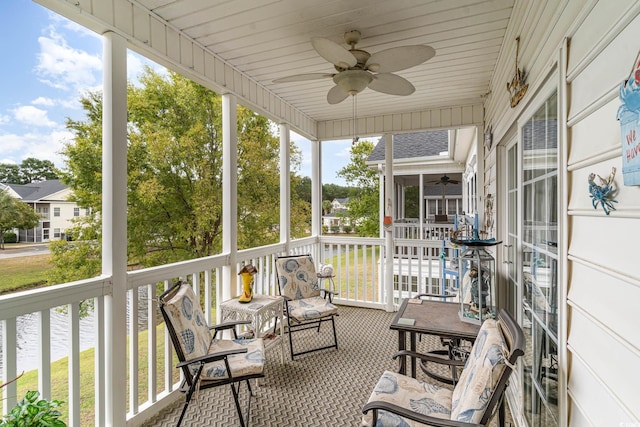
<point>371,125</point>
<point>467,114</point>
<point>103,9</point>
<point>406,121</point>
<point>141,25</point>
<point>445,117</point>
<point>416,122</point>
<point>229,79</point>
<point>396,120</point>
<point>425,119</point>
<point>599,294</point>
<point>186,52</point>
<point>594,404</point>
<point>158,36</point>
<point>173,44</point>
<point>379,124</point>
<point>435,118</point>
<point>388,123</point>
<point>198,60</point>
<point>595,347</point>
<point>478,114</point>
<point>123,15</point>
<point>456,116</point>
<point>210,68</point>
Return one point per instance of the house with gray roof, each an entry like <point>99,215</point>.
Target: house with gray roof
<point>51,199</point>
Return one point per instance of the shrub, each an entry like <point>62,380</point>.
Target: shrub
<point>10,237</point>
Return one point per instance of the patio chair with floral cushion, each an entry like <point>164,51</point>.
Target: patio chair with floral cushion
<point>207,361</point>
<point>398,400</point>
<point>306,304</point>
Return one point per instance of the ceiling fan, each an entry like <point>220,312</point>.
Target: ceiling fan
<point>358,69</point>
<point>444,180</point>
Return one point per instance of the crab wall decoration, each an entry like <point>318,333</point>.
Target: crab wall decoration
<point>603,192</point>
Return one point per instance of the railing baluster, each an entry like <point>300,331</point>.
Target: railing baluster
<point>9,347</point>
<point>44,354</point>
<point>74,364</point>
<point>99,361</point>
<point>152,323</point>
<point>133,351</point>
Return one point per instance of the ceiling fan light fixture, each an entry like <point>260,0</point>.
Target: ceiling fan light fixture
<point>353,81</point>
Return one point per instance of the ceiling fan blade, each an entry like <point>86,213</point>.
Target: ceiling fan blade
<point>333,52</point>
<point>336,95</point>
<point>391,84</point>
<point>303,77</point>
<point>399,58</point>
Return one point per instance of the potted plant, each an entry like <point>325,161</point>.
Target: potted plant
<point>33,411</point>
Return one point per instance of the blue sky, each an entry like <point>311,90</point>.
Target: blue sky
<point>49,62</point>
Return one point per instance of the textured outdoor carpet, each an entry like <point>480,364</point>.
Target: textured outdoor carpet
<point>324,388</point>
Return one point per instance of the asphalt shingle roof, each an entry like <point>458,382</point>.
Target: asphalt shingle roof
<point>37,190</point>
<point>410,145</point>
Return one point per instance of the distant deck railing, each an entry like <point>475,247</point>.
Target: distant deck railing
<point>152,380</point>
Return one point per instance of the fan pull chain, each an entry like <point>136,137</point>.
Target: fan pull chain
<point>355,116</point>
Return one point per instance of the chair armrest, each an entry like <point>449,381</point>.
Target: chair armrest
<point>407,413</point>
<point>212,357</point>
<point>229,325</point>
<point>328,291</point>
<point>426,357</point>
<point>435,296</point>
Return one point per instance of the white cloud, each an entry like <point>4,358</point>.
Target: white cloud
<point>30,115</point>
<point>64,67</point>
<point>44,146</point>
<point>45,102</point>
<point>4,119</point>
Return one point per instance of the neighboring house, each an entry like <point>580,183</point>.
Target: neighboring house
<point>50,199</point>
<point>422,159</point>
<point>336,219</point>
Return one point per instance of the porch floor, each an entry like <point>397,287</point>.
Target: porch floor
<point>325,388</point>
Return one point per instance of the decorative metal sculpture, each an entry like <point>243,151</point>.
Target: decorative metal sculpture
<point>603,193</point>
<point>517,88</point>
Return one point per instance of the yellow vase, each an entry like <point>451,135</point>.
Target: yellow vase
<point>247,291</point>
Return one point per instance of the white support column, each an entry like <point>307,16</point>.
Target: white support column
<point>285,186</point>
<point>229,194</point>
<point>389,210</point>
<point>381,202</point>
<point>114,225</point>
<point>316,195</point>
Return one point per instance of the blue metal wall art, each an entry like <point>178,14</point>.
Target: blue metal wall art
<point>603,192</point>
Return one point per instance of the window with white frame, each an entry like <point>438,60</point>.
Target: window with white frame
<point>56,211</point>
<point>76,211</point>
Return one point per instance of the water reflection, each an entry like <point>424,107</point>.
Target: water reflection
<point>29,341</point>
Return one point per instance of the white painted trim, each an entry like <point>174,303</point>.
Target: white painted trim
<point>114,222</point>
<point>285,185</point>
<point>229,194</point>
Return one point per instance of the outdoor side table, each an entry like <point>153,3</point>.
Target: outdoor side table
<point>264,311</point>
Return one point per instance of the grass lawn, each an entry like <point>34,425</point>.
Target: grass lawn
<point>23,272</point>
<point>60,381</point>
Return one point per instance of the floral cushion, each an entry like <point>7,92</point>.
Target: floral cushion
<point>310,308</point>
<point>249,363</point>
<point>480,375</point>
<point>187,318</point>
<point>194,336</point>
<point>297,277</point>
<point>407,392</point>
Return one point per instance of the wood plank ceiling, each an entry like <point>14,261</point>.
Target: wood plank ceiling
<point>269,39</point>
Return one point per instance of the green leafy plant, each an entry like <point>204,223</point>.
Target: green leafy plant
<point>33,411</point>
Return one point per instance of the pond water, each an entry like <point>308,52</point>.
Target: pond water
<point>28,339</point>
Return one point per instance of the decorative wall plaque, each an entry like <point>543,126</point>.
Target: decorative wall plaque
<point>629,116</point>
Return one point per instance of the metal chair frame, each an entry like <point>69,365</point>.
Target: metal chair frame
<point>191,381</point>
<point>297,325</point>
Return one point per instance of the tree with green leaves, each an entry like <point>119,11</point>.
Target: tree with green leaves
<point>30,170</point>
<point>15,214</point>
<point>174,160</point>
<point>363,205</point>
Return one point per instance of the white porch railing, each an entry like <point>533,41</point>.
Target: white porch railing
<point>152,379</point>
<point>425,231</point>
